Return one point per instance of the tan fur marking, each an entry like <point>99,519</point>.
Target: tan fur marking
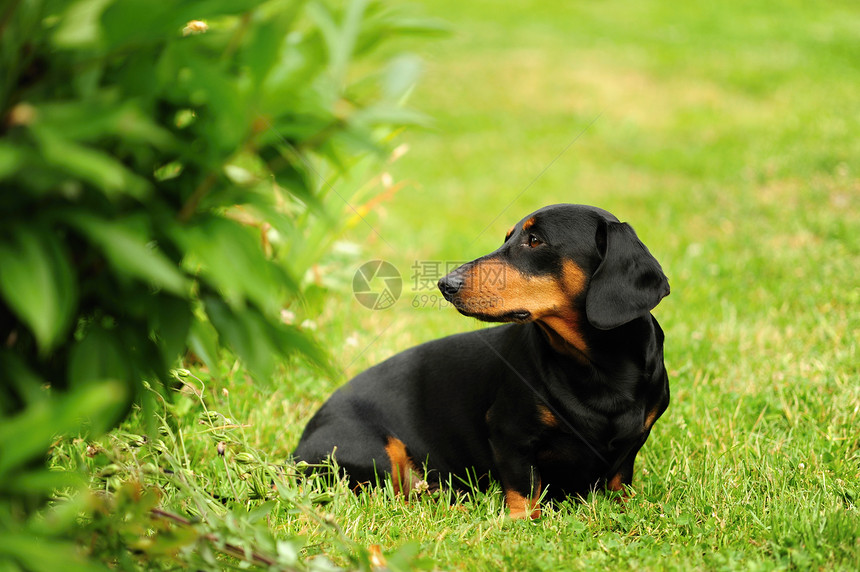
<point>572,278</point>
<point>616,484</point>
<point>510,232</point>
<point>494,288</point>
<point>651,418</point>
<point>404,475</point>
<point>499,288</point>
<point>520,506</point>
<point>546,416</point>
<point>529,223</point>
<point>567,329</point>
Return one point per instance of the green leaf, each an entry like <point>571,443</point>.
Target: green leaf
<point>98,356</point>
<point>79,25</point>
<point>11,159</point>
<point>170,322</point>
<point>203,341</point>
<point>43,482</point>
<point>27,386</point>
<point>293,87</point>
<point>130,254</point>
<point>348,37</point>
<point>204,82</point>
<point>260,52</point>
<point>401,76</point>
<point>46,554</point>
<point>257,514</point>
<point>291,170</point>
<point>290,339</point>
<point>244,332</point>
<point>136,22</point>
<point>100,116</point>
<point>37,281</point>
<point>259,342</point>
<point>91,165</point>
<point>29,434</point>
<point>328,28</point>
<point>231,259</point>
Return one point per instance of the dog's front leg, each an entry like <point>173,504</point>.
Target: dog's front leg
<point>520,478</point>
<point>523,500</point>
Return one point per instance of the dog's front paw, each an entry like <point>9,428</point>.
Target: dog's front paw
<point>522,507</point>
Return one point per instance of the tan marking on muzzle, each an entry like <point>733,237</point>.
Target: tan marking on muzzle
<point>494,289</point>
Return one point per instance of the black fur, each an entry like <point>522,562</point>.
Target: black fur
<point>531,404</point>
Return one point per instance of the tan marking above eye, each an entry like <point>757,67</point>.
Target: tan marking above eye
<point>510,232</point>
<point>529,223</point>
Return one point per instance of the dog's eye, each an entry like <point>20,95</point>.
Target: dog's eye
<point>534,241</point>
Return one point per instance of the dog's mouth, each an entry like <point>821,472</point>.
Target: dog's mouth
<point>486,304</point>
<point>481,313</point>
<point>517,316</point>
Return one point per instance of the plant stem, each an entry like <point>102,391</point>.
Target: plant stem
<point>227,548</point>
<point>194,200</point>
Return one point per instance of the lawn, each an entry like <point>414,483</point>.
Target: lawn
<point>726,134</point>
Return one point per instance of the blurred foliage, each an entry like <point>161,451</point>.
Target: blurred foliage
<point>197,494</point>
<point>170,172</point>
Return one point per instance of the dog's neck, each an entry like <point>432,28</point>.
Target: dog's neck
<point>599,349</point>
<point>567,345</point>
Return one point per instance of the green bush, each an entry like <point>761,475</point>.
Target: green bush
<point>168,172</point>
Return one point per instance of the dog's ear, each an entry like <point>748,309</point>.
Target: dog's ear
<point>629,281</point>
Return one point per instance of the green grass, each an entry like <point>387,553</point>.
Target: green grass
<point>726,134</point>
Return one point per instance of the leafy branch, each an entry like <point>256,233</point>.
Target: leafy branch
<point>132,136</point>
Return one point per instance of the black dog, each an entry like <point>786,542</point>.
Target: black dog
<point>559,401</point>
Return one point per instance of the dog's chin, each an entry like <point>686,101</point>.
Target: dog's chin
<point>516,316</point>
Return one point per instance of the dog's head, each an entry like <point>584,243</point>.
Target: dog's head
<point>558,266</point>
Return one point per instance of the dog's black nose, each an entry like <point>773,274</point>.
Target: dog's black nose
<point>450,285</point>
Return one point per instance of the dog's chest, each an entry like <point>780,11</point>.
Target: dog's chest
<point>589,441</point>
